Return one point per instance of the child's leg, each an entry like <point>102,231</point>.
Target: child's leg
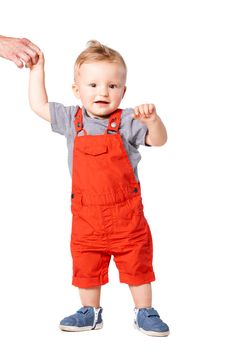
<point>89,316</point>
<point>147,319</point>
<point>142,295</point>
<point>90,296</point>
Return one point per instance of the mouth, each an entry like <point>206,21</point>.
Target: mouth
<point>102,102</point>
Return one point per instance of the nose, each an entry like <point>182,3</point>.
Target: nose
<point>103,91</point>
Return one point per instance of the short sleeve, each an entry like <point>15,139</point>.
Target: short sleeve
<point>61,117</point>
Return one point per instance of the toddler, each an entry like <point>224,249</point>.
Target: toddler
<point>106,203</point>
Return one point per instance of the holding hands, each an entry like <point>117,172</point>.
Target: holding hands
<point>20,51</point>
<point>40,61</point>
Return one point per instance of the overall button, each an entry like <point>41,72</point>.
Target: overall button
<point>135,190</point>
<point>72,195</point>
<point>113,124</point>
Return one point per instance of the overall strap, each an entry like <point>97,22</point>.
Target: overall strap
<point>114,121</point>
<point>78,121</point>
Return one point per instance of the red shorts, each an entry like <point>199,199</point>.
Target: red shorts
<point>100,231</point>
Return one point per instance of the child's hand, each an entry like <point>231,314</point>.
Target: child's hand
<point>39,63</point>
<point>145,113</point>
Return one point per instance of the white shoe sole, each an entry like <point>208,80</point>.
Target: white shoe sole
<point>151,333</point>
<point>80,329</point>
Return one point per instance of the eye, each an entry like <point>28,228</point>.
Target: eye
<point>92,85</point>
<point>112,86</point>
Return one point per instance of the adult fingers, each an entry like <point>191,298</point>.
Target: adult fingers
<point>25,58</point>
<point>31,45</point>
<point>17,61</point>
<point>34,56</point>
<point>31,49</point>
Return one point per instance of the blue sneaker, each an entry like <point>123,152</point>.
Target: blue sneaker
<point>147,321</point>
<point>86,319</point>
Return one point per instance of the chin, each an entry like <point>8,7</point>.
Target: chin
<point>104,112</point>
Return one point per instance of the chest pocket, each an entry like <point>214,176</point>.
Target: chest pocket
<point>95,150</point>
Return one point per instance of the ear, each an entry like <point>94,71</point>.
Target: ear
<point>125,88</point>
<point>76,90</point>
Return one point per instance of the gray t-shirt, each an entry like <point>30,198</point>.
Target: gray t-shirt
<point>132,131</point>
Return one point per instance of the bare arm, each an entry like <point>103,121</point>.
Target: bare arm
<point>146,114</point>
<point>157,135</point>
<point>37,93</point>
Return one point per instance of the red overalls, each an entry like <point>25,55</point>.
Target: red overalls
<point>107,211</point>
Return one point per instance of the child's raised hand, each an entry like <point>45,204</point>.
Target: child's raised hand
<point>145,113</point>
<point>40,61</point>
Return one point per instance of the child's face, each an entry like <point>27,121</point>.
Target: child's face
<point>100,86</point>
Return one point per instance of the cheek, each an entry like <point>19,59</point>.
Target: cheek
<point>117,96</point>
<point>86,95</point>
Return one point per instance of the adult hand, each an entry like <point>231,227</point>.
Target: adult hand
<point>20,51</point>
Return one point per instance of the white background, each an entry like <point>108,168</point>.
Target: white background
<point>179,57</point>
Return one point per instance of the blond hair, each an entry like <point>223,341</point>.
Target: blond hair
<point>95,52</point>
